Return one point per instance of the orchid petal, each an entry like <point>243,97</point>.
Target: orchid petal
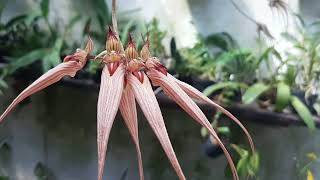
<point>109,99</point>
<point>102,54</point>
<point>197,95</point>
<point>150,107</point>
<point>129,113</point>
<point>52,76</point>
<point>172,89</point>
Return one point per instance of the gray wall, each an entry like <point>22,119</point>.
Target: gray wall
<point>58,128</point>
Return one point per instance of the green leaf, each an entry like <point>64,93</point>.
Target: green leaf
<point>254,164</point>
<point>53,59</point>
<point>32,17</point>
<point>290,76</point>
<point>44,4</point>
<point>222,85</point>
<point>303,112</point>
<point>26,60</point>
<point>3,84</point>
<point>204,132</point>
<point>124,34</point>
<point>221,40</point>
<point>4,178</point>
<point>253,92</point>
<point>72,22</point>
<point>224,130</point>
<point>283,96</point>
<point>290,37</point>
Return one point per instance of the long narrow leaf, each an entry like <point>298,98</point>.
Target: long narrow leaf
<point>254,92</point>
<point>303,112</point>
<point>222,85</point>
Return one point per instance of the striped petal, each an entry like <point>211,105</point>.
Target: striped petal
<point>172,89</point>
<point>109,99</point>
<point>129,113</point>
<point>150,107</point>
<point>52,76</point>
<point>197,95</point>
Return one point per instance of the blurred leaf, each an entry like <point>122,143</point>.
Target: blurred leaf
<point>72,22</point>
<point>32,17</point>
<point>87,26</point>
<point>53,58</point>
<point>3,84</point>
<point>26,60</point>
<point>127,29</point>
<point>248,164</point>
<point>222,85</point>
<point>224,130</point>
<point>301,20</point>
<point>283,96</point>
<point>310,175</point>
<point>94,66</point>
<point>303,112</point>
<point>4,178</point>
<point>290,37</point>
<point>15,20</point>
<point>253,92</point>
<point>221,40</point>
<point>204,132</point>
<point>290,76</point>
<point>44,4</point>
<point>254,164</point>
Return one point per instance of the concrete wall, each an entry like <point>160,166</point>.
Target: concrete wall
<point>57,127</point>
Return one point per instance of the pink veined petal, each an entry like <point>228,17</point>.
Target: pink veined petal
<point>196,94</point>
<point>150,107</point>
<point>128,110</point>
<point>52,76</point>
<point>108,103</point>
<point>172,89</point>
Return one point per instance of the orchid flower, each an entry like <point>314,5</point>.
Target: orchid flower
<point>69,67</point>
<point>126,78</point>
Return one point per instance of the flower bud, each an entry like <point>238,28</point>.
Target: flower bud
<point>131,51</point>
<point>113,43</point>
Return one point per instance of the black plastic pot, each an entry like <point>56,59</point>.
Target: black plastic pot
<point>212,148</point>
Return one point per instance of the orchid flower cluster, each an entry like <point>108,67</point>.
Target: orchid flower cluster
<point>127,78</point>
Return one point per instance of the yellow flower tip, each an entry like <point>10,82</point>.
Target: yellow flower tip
<point>113,43</point>
<point>131,51</point>
<point>145,53</point>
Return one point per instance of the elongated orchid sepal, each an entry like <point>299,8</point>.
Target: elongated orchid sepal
<point>197,95</point>
<point>108,103</point>
<point>172,89</point>
<point>129,113</point>
<point>150,107</point>
<point>71,65</point>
